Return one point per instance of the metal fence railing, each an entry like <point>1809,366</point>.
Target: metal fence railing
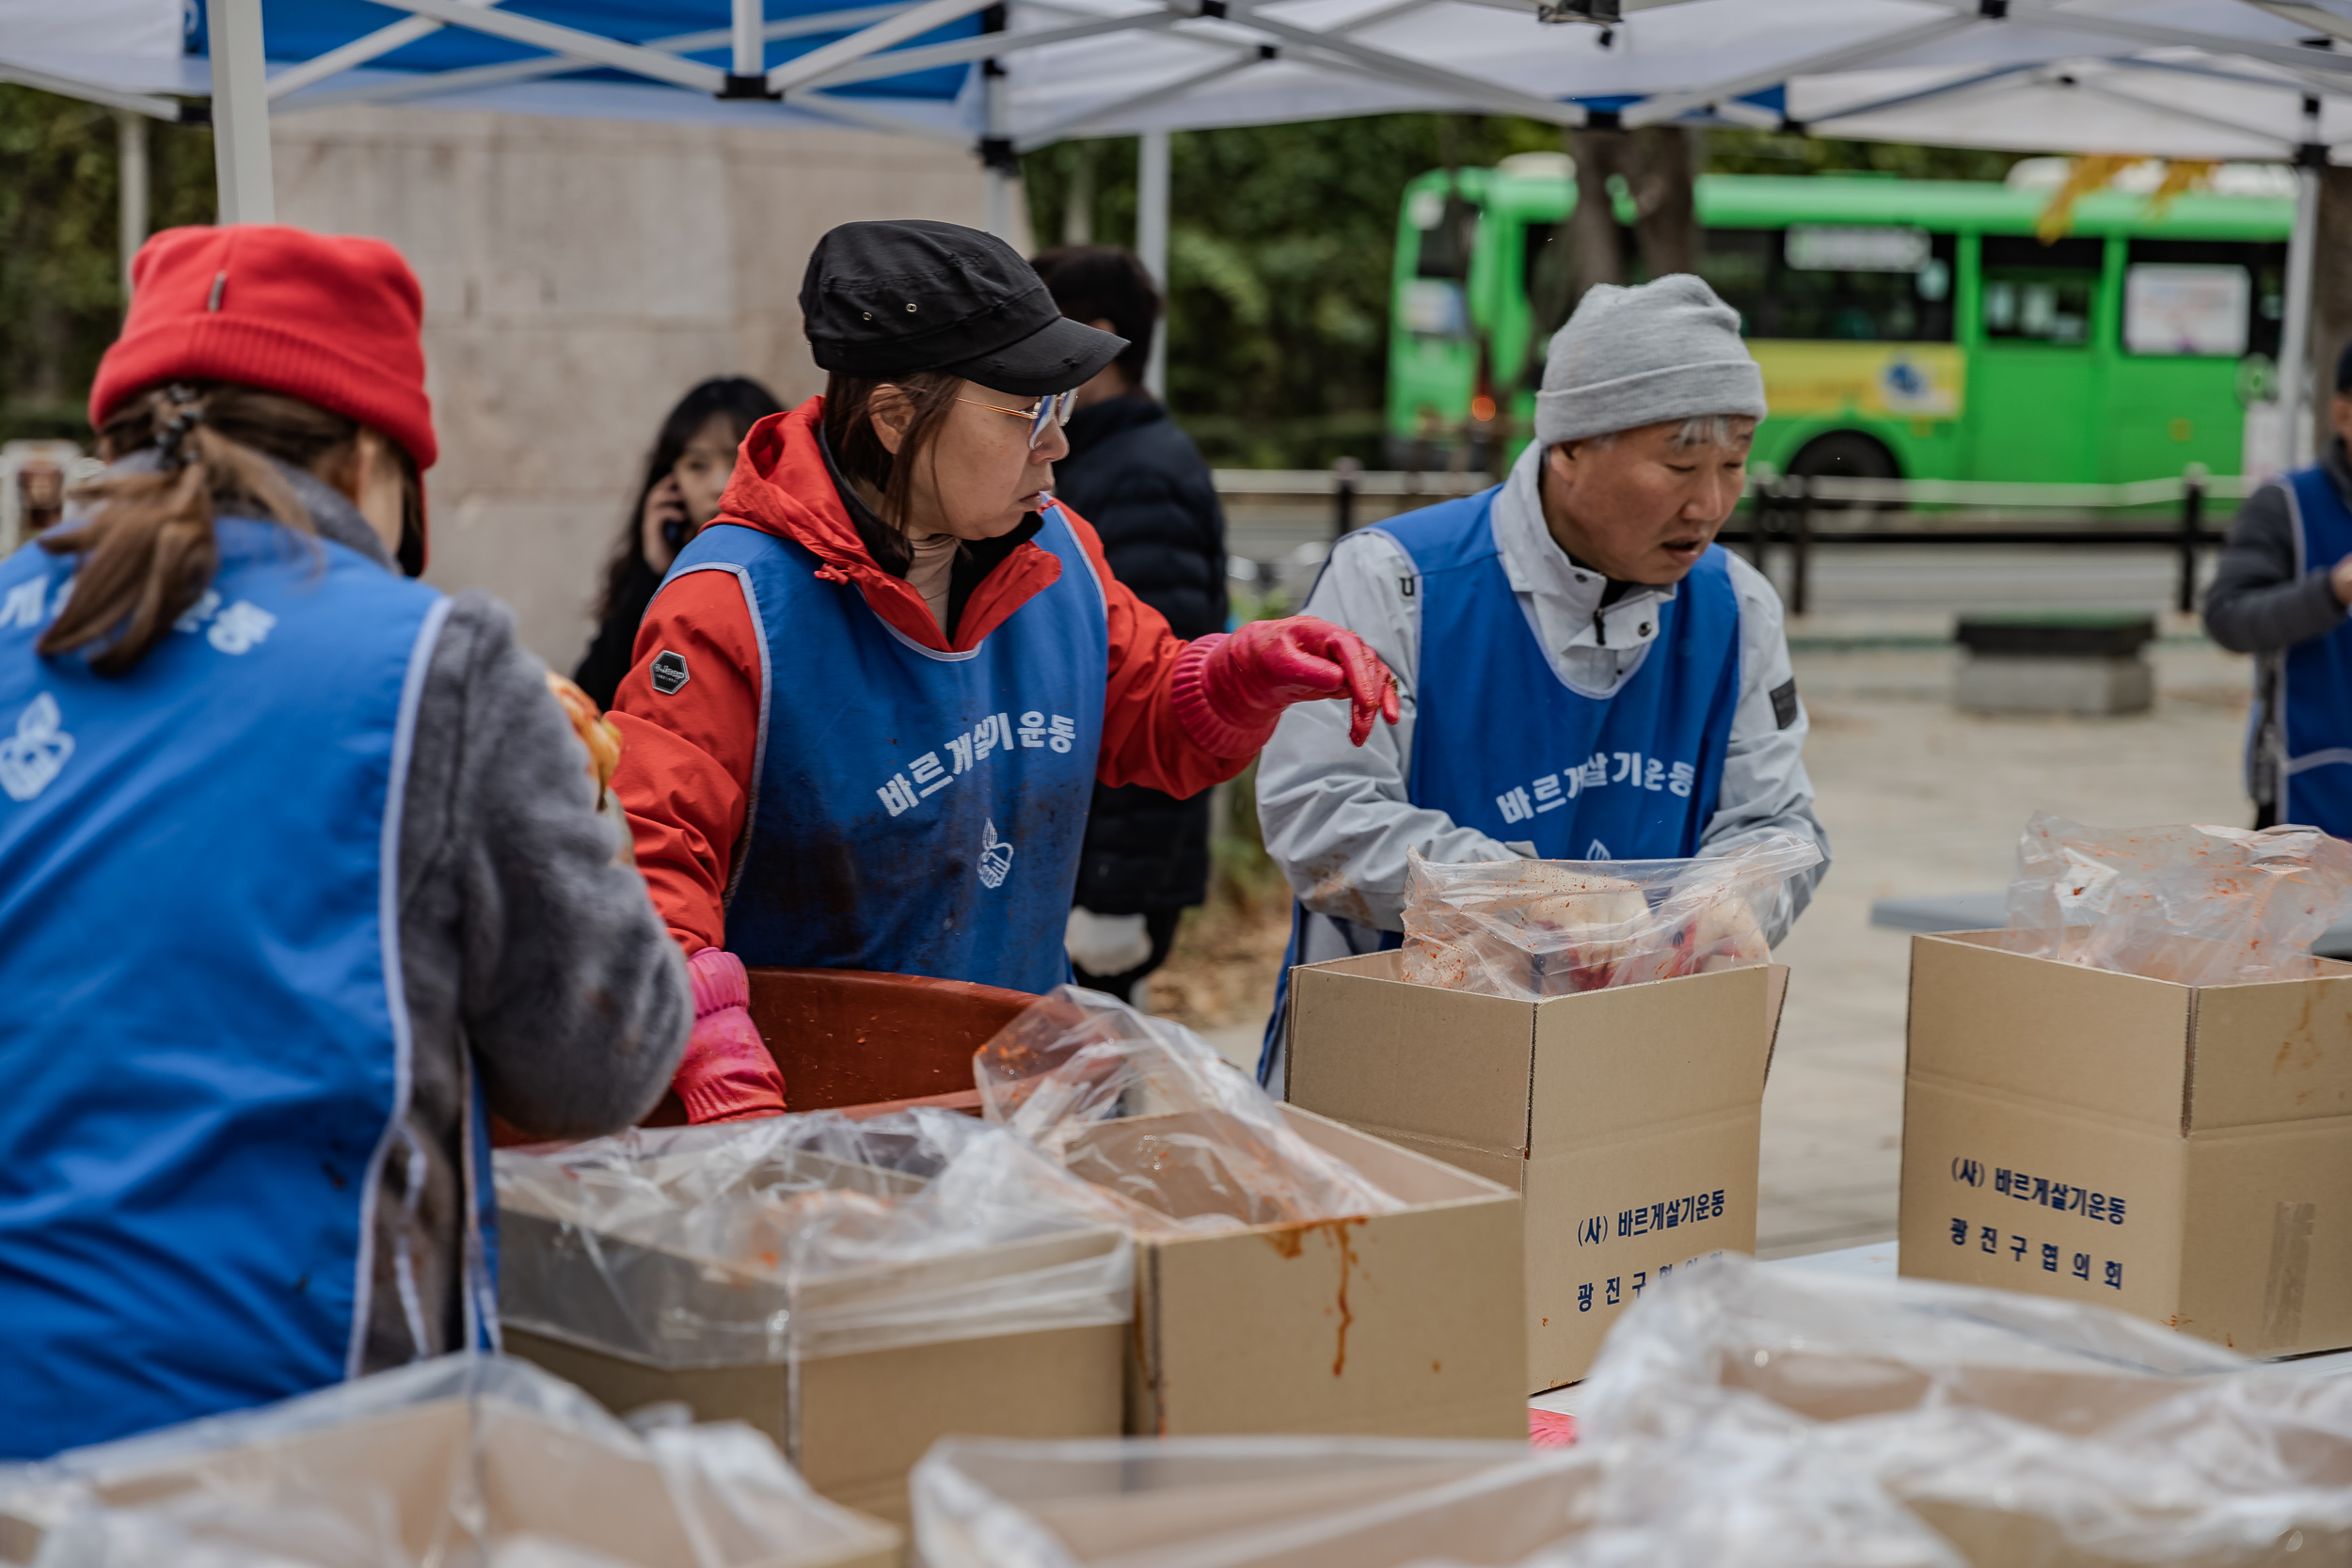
<point>1801,515</point>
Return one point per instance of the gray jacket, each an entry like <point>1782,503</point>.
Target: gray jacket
<point>2264,600</point>
<point>1339,819</point>
<point>531,959</point>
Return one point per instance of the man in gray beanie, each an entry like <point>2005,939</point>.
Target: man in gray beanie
<point>1583,673</point>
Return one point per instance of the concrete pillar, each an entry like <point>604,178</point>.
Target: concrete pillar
<point>579,277</point>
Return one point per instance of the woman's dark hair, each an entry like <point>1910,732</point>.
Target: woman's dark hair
<point>859,453</point>
<point>743,401</point>
<point>148,550</point>
<point>1102,282</point>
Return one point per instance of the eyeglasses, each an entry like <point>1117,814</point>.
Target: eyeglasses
<point>1054,411</point>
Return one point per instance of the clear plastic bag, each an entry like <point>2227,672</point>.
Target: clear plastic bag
<point>1740,1416</point>
<point>2020,1427</point>
<point>1528,929</point>
<point>2195,905</point>
<point>1171,1136</point>
<point>1338,1502</point>
<point>462,1462</point>
<point>793,1238</point>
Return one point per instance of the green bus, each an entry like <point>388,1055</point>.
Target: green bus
<point>1907,329</point>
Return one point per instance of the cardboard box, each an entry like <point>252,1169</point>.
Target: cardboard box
<point>527,1474</point>
<point>1302,1503</point>
<point>1397,1324</point>
<point>1628,1118</point>
<point>2183,1153</point>
<point>854,1424</point>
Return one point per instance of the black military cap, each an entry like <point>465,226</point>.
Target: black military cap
<point>883,299</point>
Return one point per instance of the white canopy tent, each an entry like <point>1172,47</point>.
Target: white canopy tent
<point>2178,78</point>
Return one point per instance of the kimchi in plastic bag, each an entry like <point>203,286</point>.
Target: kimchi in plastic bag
<point>1174,1136</point>
<point>1530,929</point>
<point>2195,905</point>
<point>794,1238</point>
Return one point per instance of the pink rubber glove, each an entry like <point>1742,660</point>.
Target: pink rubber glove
<point>727,1073</point>
<point>1229,690</point>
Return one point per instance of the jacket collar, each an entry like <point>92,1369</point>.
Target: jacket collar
<point>331,512</point>
<point>784,486</point>
<point>1569,595</point>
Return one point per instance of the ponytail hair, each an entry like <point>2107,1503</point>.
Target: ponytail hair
<point>147,552</point>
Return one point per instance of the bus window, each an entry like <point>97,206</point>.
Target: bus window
<point>1449,239</point>
<point>1837,282</point>
<point>2039,292</point>
<point>2220,297</point>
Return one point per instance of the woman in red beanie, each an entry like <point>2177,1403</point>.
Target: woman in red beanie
<point>300,874</point>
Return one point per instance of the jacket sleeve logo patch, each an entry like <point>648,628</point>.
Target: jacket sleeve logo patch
<point>1785,703</point>
<point>996,857</point>
<point>669,672</point>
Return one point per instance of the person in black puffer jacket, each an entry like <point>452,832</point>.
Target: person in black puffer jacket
<point>1144,484</point>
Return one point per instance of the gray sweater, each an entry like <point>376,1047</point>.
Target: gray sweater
<point>531,957</point>
<point>2264,601</point>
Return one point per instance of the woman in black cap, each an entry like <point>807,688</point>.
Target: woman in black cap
<point>874,695</point>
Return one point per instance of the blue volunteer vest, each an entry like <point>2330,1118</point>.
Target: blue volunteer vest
<point>2315,680</point>
<point>1502,745</point>
<point>915,812</point>
<point>202,1033</point>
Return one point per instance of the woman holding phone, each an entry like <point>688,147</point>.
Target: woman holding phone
<point>687,469</point>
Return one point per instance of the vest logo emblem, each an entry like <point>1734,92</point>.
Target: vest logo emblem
<point>996,857</point>
<point>1596,850</point>
<point>669,672</point>
<point>37,754</point>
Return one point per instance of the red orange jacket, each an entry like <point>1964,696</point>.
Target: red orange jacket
<point>685,779</point>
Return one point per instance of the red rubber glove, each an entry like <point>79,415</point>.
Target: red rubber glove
<point>727,1073</point>
<point>1229,690</point>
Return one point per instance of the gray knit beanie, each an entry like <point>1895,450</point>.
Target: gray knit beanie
<point>1668,350</point>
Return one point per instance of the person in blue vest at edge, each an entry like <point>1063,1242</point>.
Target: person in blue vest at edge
<point>1583,673</point>
<point>873,696</point>
<point>2278,593</point>
<point>301,874</point>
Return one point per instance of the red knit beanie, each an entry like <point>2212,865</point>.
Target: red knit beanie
<point>330,319</point>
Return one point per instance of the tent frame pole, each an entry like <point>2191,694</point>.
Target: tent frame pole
<point>131,188</point>
<point>749,44</point>
<point>1151,183</point>
<point>2297,393</point>
<point>468,78</point>
<point>241,166</point>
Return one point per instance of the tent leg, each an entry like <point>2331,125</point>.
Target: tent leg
<point>2295,381</point>
<point>1000,168</point>
<point>750,52</point>
<point>131,182</point>
<point>240,112</point>
<point>1151,244</point>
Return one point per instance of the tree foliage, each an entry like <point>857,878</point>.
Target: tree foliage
<point>60,269</point>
